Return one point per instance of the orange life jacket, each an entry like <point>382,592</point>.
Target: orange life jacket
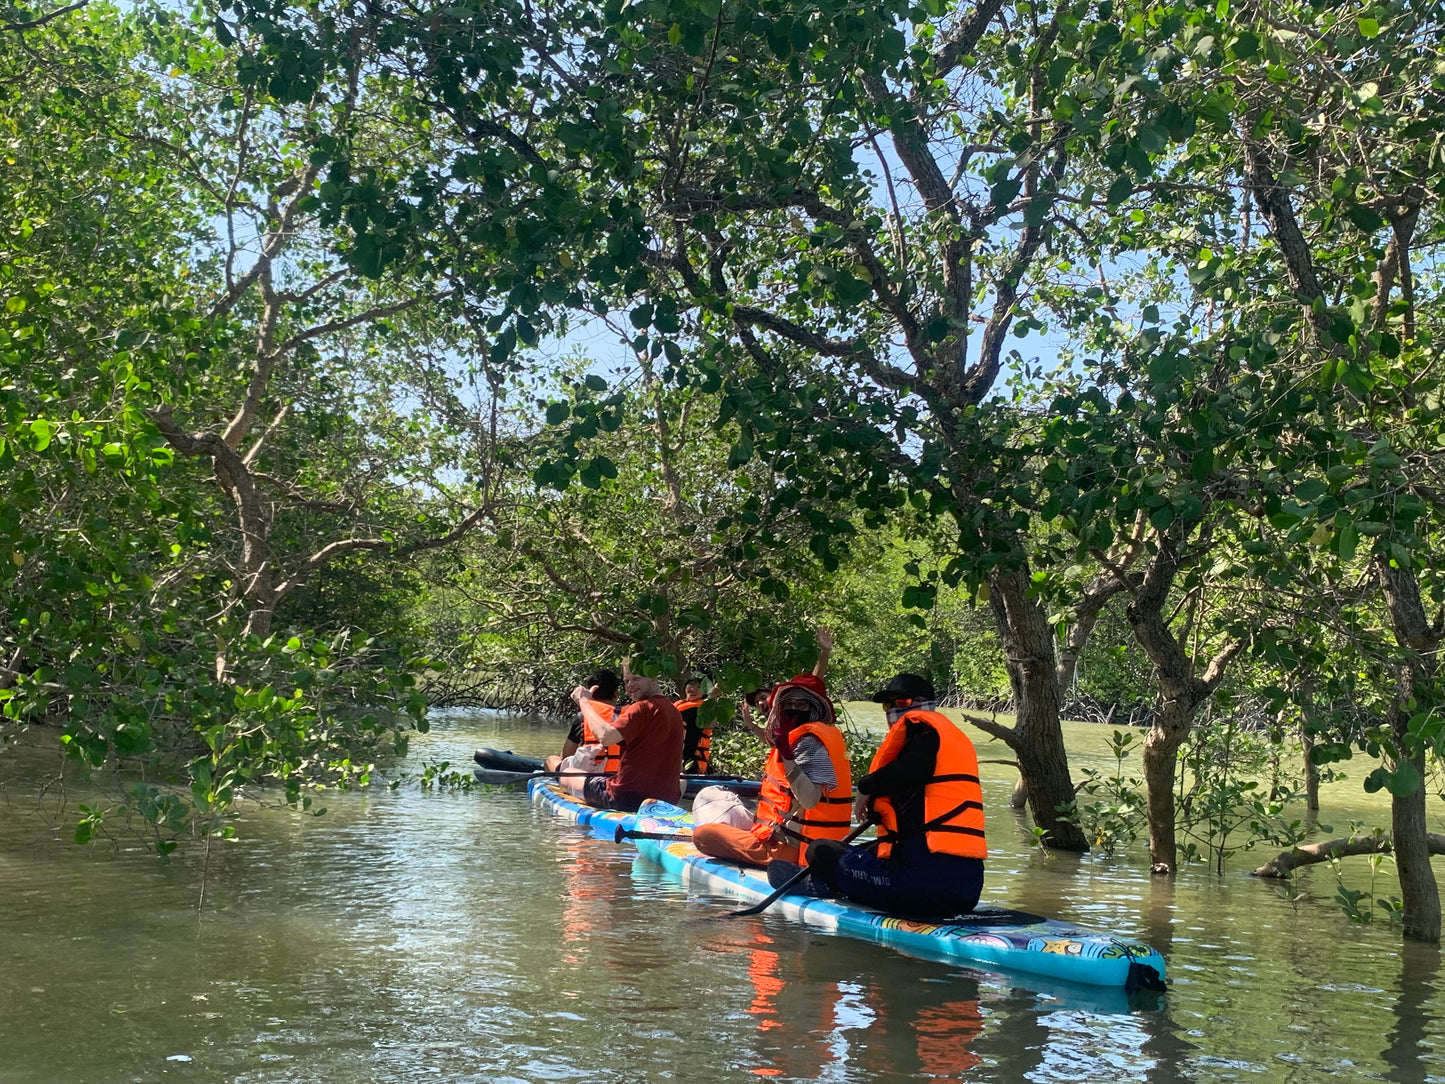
<point>611,754</point>
<point>700,752</point>
<point>830,818</point>
<point>952,798</point>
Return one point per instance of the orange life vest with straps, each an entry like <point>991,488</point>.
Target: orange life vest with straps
<point>699,738</point>
<point>611,754</point>
<point>952,798</point>
<point>830,818</point>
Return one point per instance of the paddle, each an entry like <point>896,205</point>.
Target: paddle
<point>499,777</point>
<point>768,901</point>
<point>632,833</point>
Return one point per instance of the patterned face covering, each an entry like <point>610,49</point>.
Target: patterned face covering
<point>792,708</point>
<point>899,708</point>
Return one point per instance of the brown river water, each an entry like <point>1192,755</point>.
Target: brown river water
<point>440,935</point>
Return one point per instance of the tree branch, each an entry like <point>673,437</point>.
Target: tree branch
<point>1324,851</point>
<point>36,23</point>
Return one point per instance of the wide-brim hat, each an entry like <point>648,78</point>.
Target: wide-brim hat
<point>905,687</point>
<point>822,707</point>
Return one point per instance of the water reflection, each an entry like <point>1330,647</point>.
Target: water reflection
<point>437,936</point>
<point>1416,1014</point>
<point>818,1012</point>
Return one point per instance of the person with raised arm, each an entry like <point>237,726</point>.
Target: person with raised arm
<point>602,688</point>
<point>758,699</point>
<point>807,790</point>
<point>650,733</point>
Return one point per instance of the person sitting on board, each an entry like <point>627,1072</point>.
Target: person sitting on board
<point>697,740</point>
<point>923,789</point>
<point>757,700</point>
<point>602,687</point>
<point>807,790</point>
<point>649,730</point>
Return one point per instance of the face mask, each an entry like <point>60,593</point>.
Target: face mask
<point>897,710</point>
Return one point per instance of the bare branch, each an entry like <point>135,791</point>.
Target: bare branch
<point>36,23</point>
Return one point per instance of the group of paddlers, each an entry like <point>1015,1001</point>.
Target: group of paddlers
<point>921,789</point>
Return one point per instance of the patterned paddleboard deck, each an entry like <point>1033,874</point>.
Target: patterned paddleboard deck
<point>995,938</point>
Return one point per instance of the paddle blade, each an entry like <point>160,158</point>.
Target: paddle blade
<point>609,830</point>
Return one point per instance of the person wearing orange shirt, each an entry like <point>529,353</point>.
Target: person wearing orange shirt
<point>649,731</point>
<point>697,741</point>
<point>602,686</point>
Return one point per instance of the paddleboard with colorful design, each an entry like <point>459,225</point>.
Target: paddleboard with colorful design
<point>996,938</point>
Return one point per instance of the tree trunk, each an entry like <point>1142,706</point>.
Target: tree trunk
<point>1307,743</point>
<point>1326,850</point>
<point>1180,693</point>
<point>1037,739</point>
<point>1418,890</point>
<point>1417,634</point>
<point>1161,759</point>
<point>1312,773</point>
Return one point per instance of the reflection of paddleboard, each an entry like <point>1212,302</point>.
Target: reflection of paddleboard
<point>990,937</point>
<point>501,767</point>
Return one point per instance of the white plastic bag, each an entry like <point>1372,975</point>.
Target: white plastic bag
<point>588,760</point>
<point>718,805</point>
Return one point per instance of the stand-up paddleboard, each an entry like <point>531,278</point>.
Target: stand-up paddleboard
<point>991,937</point>
<point>502,767</point>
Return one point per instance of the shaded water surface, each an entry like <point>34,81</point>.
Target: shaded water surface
<point>435,935</point>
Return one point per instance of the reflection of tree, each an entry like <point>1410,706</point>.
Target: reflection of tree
<point>1163,1048</point>
<point>1414,1024</point>
<point>1159,916</point>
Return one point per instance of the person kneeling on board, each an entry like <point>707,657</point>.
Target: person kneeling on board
<point>807,791</point>
<point>602,690</point>
<point>923,790</point>
<point>649,730</point>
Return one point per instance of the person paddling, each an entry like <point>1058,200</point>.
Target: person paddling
<point>923,789</point>
<point>807,790</point>
<point>649,731</point>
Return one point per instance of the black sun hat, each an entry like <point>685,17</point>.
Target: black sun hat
<point>905,687</point>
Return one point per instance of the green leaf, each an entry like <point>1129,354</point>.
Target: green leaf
<point>40,433</point>
<point>1152,139</point>
<point>557,413</point>
<point>1404,780</point>
<point>1365,218</point>
<point>1004,191</point>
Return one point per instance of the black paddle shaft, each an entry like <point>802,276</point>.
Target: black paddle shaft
<point>763,904</point>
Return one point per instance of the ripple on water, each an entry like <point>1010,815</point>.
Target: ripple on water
<point>424,935</point>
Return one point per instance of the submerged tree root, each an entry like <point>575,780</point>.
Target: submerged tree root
<point>1314,853</point>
